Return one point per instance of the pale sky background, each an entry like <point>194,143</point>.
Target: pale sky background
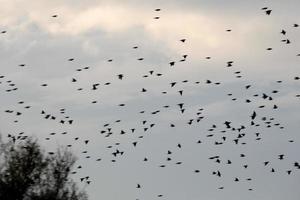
<point>93,32</point>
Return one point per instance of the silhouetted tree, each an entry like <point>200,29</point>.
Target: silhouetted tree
<point>28,173</point>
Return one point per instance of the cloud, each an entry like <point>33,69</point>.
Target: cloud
<point>204,31</point>
<point>94,31</point>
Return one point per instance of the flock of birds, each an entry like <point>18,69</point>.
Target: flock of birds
<point>231,132</point>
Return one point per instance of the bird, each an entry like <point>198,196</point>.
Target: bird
<point>280,157</point>
<point>120,76</point>
<point>227,123</point>
<point>94,86</point>
<point>253,115</point>
<point>134,144</point>
<point>266,163</point>
<point>268,12</point>
<point>229,63</point>
<point>272,170</point>
<point>173,84</point>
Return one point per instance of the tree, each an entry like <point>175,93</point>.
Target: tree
<point>28,173</point>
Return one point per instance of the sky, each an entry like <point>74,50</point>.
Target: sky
<point>99,37</point>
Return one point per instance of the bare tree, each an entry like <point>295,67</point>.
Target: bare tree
<point>28,173</point>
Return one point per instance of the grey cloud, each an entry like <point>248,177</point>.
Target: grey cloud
<point>46,56</point>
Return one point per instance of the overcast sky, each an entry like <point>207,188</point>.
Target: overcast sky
<point>96,31</point>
